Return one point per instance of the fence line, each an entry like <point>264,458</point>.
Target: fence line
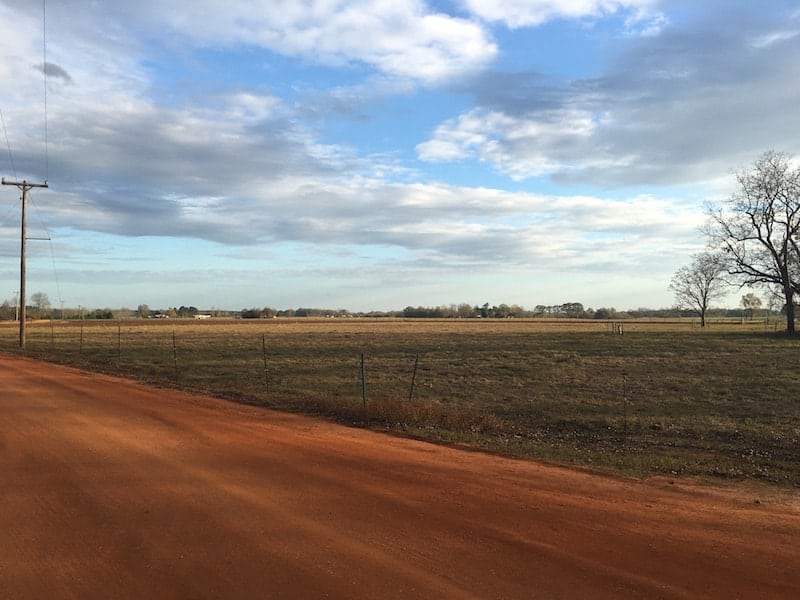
<point>696,397</point>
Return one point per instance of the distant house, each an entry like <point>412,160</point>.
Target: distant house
<point>202,316</point>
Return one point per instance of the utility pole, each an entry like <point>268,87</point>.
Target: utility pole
<point>25,186</point>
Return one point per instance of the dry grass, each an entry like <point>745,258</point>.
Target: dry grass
<point>665,397</point>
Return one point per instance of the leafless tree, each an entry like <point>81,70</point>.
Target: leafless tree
<point>751,303</point>
<point>40,301</point>
<point>696,285</point>
<point>757,228</point>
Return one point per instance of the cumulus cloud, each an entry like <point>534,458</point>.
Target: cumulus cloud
<point>400,39</point>
<point>676,108</point>
<point>520,147</point>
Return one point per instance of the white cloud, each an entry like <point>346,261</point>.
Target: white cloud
<point>681,108</point>
<point>765,40</point>
<point>249,108</point>
<point>456,138</point>
<point>478,226</point>
<point>400,39</point>
<point>518,146</point>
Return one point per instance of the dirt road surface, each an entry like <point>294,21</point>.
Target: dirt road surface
<point>111,489</point>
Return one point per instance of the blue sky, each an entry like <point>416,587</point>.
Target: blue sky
<point>374,155</point>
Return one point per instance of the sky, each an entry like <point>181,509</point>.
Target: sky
<point>371,155</point>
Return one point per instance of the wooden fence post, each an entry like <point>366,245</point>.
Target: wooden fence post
<point>264,353</point>
<point>175,355</point>
<point>413,378</point>
<point>363,382</point>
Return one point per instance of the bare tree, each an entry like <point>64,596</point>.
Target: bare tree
<point>751,303</point>
<point>7,311</point>
<point>698,284</point>
<point>40,301</point>
<point>757,228</point>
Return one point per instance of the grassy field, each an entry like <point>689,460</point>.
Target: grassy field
<point>665,397</point>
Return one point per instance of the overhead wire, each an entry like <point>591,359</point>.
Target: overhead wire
<point>46,150</point>
<point>7,213</point>
<point>5,216</point>
<point>49,238</point>
<point>44,78</point>
<point>8,144</point>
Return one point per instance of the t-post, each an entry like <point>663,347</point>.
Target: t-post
<point>25,186</point>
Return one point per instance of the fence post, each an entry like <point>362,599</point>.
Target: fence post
<point>175,355</point>
<point>624,411</point>
<point>264,353</point>
<point>363,382</point>
<point>119,346</point>
<point>413,378</point>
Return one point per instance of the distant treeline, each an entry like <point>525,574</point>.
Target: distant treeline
<point>567,310</point>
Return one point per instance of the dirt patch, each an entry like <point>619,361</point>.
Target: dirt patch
<point>109,488</point>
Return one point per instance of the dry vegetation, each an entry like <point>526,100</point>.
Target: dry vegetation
<point>665,397</point>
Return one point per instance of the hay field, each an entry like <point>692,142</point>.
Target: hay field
<point>666,397</point>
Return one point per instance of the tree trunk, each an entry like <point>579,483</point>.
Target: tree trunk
<point>789,293</point>
<point>702,318</point>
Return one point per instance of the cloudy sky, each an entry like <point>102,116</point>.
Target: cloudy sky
<point>377,154</point>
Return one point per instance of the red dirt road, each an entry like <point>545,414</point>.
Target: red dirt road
<point>110,489</point>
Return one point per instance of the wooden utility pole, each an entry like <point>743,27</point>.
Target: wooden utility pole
<point>24,186</point>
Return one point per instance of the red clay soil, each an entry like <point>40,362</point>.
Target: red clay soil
<point>111,489</point>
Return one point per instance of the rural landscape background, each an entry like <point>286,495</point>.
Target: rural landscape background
<point>663,397</point>
<point>392,299</point>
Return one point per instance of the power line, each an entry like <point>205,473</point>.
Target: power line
<point>46,119</point>
<point>8,143</point>
<point>26,186</point>
<point>49,239</point>
<point>44,78</point>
